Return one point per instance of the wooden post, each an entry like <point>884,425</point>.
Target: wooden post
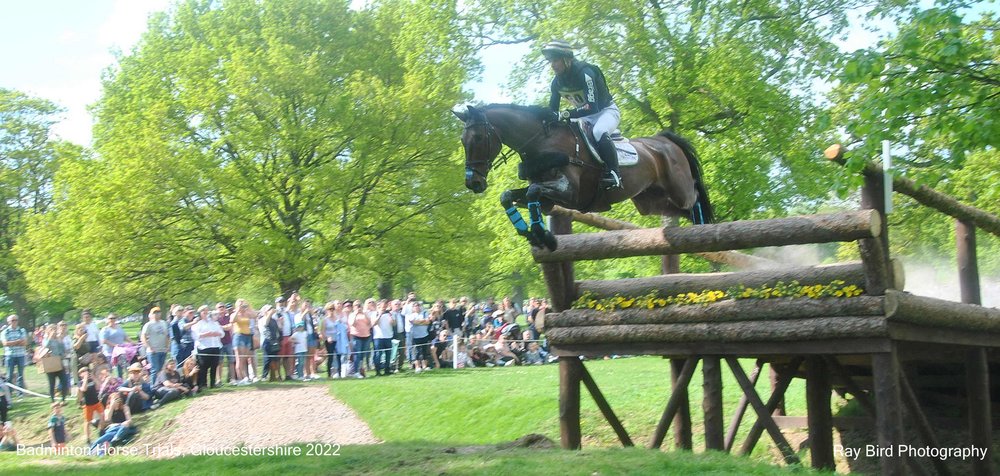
<point>818,413</point>
<point>674,402</point>
<point>569,402</point>
<point>563,225</point>
<point>741,408</point>
<point>977,372</point>
<point>682,419</point>
<point>888,419</point>
<point>711,368</point>
<point>875,251</point>
<point>671,264</point>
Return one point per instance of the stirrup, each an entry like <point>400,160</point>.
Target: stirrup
<point>611,180</point>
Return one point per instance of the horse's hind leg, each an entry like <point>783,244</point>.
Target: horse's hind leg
<point>507,199</point>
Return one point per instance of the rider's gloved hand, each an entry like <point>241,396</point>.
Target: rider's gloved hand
<point>564,115</point>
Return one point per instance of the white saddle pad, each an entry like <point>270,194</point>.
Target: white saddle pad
<point>626,153</point>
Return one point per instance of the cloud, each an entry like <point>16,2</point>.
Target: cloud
<point>127,22</point>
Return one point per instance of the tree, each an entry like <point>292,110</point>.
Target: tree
<point>933,89</point>
<point>29,159</point>
<point>246,140</point>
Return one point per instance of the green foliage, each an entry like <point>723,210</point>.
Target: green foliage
<point>274,142</point>
<point>933,88</point>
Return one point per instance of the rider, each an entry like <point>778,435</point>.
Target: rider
<point>582,85</point>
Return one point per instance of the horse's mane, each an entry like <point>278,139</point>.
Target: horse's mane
<point>539,112</point>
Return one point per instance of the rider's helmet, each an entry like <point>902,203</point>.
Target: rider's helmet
<point>557,49</point>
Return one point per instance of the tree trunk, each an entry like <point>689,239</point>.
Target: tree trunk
<point>385,287</point>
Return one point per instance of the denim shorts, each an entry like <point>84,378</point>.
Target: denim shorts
<point>312,341</point>
<point>242,341</point>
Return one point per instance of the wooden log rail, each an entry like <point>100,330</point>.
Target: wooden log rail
<point>729,258</point>
<point>834,227</point>
<point>673,284</point>
<point>927,196</point>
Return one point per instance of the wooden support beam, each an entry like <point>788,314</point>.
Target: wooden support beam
<point>785,376</point>
<point>682,418</point>
<point>834,227</point>
<point>673,284</point>
<point>729,258</point>
<point>841,373</point>
<point>928,196</point>
<point>602,404</point>
<point>569,403</point>
<point>888,417</point>
<point>820,415</point>
<point>711,403</point>
<point>789,330</point>
<point>741,408</point>
<point>763,412</point>
<point>673,403</point>
<point>920,420</point>
<point>978,389</point>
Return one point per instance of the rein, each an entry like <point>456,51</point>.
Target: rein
<point>503,156</point>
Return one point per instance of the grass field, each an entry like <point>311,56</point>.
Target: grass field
<point>448,422</point>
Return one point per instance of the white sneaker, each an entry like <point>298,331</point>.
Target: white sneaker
<point>335,377</point>
<point>358,375</point>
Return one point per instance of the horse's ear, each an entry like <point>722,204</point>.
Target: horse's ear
<point>463,116</point>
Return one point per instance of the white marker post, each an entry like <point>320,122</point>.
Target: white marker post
<point>887,176</point>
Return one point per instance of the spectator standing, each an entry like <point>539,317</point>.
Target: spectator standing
<point>242,325</point>
<point>286,321</point>
<point>56,347</point>
<point>361,338</point>
<point>307,316</point>
<point>113,336</point>
<point>226,359</point>
<point>336,337</point>
<point>15,342</point>
<point>399,333</point>
<point>93,333</point>
<point>382,332</point>
<point>208,340</point>
<point>155,335</point>
<point>69,356</point>
<point>181,327</point>
<point>299,345</point>
<point>93,409</point>
<point>270,331</point>
<point>454,317</point>
<point>418,330</point>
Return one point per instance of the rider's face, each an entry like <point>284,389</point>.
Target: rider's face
<point>558,65</point>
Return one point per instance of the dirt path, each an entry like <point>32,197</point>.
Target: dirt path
<point>266,418</point>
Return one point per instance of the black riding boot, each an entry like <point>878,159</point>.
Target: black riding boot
<point>605,147</point>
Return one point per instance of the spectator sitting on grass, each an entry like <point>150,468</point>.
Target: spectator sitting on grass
<point>534,355</point>
<point>8,437</point>
<point>168,386</point>
<point>136,390</point>
<point>120,426</point>
<point>440,343</point>
<point>57,426</point>
<point>109,384</point>
<point>189,375</point>
<point>5,398</point>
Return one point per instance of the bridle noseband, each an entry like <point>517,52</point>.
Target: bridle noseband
<point>504,156</point>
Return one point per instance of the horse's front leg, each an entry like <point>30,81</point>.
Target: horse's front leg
<point>539,235</point>
<point>507,199</point>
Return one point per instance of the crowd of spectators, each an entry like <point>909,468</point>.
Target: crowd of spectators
<point>189,350</point>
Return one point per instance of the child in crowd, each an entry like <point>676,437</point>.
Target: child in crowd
<point>93,409</point>
<point>8,437</point>
<point>299,346</point>
<point>57,427</point>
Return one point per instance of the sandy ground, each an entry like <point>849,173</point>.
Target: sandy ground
<point>265,418</point>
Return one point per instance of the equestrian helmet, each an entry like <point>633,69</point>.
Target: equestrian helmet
<point>557,49</point>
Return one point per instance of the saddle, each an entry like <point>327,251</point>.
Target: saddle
<point>627,156</point>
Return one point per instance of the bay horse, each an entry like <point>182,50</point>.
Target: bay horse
<point>561,169</point>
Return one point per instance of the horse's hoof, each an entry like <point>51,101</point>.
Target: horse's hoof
<point>550,240</point>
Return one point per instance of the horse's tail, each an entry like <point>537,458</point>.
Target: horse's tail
<point>702,212</point>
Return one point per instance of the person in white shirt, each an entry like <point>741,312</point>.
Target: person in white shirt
<point>300,344</point>
<point>208,340</point>
<point>93,333</point>
<point>382,331</point>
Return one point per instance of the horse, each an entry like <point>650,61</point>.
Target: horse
<point>561,169</point>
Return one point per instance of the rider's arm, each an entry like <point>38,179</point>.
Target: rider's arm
<point>591,87</point>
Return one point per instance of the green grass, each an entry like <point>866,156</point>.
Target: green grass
<point>495,405</point>
<point>439,422</point>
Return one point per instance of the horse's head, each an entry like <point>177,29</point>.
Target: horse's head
<point>482,145</point>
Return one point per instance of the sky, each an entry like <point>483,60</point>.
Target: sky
<point>57,50</point>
